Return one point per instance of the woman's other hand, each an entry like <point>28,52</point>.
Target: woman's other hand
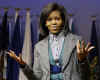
<point>83,50</point>
<point>15,57</point>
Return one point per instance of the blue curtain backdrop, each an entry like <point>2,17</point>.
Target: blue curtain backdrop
<point>16,46</point>
<point>94,54</point>
<point>4,42</point>
<point>4,33</point>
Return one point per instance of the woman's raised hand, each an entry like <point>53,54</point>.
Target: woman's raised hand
<point>15,57</point>
<point>83,50</point>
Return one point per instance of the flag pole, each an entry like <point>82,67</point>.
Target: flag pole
<point>93,18</point>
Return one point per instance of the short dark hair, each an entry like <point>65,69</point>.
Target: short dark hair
<point>45,13</point>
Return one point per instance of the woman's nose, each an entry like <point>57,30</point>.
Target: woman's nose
<point>53,21</point>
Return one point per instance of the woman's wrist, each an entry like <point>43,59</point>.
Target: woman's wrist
<point>22,65</point>
<point>82,61</point>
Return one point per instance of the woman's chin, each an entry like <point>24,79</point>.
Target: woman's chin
<point>55,32</point>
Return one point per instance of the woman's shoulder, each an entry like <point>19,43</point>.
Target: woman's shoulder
<point>42,42</point>
<point>74,36</point>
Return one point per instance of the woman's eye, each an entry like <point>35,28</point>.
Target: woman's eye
<point>49,19</point>
<point>57,18</point>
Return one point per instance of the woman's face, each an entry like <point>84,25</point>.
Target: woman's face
<point>54,22</point>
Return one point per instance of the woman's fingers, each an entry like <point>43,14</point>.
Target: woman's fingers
<point>87,46</point>
<point>17,58</point>
<point>12,54</point>
<point>83,46</point>
<point>78,46</point>
<point>90,48</point>
<point>83,50</point>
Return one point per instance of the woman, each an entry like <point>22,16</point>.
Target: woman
<point>59,55</point>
